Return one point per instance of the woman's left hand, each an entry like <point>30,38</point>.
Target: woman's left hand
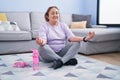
<point>90,36</point>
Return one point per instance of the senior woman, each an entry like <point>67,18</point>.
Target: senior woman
<point>52,37</point>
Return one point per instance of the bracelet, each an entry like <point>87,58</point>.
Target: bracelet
<point>84,39</point>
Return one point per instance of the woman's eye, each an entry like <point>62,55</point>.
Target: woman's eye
<point>52,13</point>
<point>55,13</point>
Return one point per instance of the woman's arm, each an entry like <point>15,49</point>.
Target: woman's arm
<point>85,39</point>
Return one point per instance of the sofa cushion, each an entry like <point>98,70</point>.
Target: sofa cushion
<point>3,17</point>
<point>105,34</point>
<point>22,19</point>
<point>37,19</point>
<point>77,17</point>
<point>15,26</point>
<point>14,35</point>
<point>78,25</point>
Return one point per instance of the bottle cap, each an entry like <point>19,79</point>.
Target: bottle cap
<point>35,51</point>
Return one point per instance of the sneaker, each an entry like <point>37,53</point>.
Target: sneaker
<point>72,61</point>
<point>57,64</point>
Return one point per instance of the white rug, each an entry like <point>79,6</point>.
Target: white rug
<point>86,69</point>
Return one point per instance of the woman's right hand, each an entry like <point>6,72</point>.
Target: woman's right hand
<point>41,42</point>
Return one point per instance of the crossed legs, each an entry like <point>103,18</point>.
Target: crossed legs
<point>64,55</point>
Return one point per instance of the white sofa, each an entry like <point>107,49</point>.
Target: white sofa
<point>105,40</point>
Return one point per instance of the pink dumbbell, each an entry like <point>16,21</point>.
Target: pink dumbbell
<point>21,64</point>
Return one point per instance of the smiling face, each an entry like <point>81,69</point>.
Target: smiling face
<point>53,15</point>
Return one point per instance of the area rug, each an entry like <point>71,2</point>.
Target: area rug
<point>86,69</point>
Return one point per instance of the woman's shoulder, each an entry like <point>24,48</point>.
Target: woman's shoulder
<point>45,25</point>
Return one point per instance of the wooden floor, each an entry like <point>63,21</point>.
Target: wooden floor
<point>112,58</point>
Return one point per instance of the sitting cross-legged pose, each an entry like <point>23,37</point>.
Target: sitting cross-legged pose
<point>52,37</point>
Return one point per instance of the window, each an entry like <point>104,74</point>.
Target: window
<point>108,12</point>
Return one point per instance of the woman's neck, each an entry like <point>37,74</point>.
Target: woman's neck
<point>53,23</point>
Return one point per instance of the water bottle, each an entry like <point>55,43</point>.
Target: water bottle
<point>35,59</point>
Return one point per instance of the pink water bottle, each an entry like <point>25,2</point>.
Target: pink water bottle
<point>35,59</point>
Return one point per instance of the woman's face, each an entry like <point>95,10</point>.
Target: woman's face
<point>53,15</point>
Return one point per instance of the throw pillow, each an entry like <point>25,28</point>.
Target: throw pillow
<point>3,17</point>
<point>8,26</point>
<point>78,25</point>
<point>15,26</point>
<point>77,17</point>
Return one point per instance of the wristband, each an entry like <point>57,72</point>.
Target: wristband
<point>84,39</point>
